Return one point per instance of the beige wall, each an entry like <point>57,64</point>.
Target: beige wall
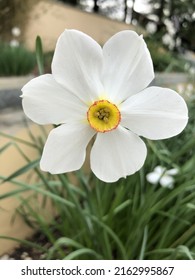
<point>11,223</point>
<point>48,19</point>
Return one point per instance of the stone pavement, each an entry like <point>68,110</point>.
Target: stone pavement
<point>11,113</point>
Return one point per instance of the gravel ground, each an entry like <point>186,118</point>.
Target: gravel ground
<point>29,253</point>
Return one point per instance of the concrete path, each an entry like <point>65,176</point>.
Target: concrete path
<point>11,114</point>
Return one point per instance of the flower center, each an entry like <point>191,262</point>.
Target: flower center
<point>103,116</point>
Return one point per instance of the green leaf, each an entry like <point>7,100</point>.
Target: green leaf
<point>37,189</point>
<point>16,139</point>
<point>22,170</point>
<point>80,252</point>
<point>5,147</point>
<point>39,55</point>
<point>25,242</point>
<point>143,248</point>
<point>13,193</point>
<point>63,242</point>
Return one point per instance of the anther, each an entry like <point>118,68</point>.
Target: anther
<point>105,119</point>
<point>96,114</point>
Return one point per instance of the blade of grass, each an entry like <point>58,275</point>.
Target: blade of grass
<point>84,251</point>
<point>39,55</point>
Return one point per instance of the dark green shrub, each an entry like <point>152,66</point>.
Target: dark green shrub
<point>163,59</point>
<point>15,61</point>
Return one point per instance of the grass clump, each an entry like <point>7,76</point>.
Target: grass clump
<point>16,61</point>
<point>129,219</point>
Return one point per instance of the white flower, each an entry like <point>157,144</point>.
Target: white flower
<point>151,27</point>
<point>163,176</point>
<point>14,43</point>
<point>16,31</point>
<point>167,40</point>
<point>94,91</point>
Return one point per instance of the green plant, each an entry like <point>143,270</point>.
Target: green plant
<point>163,59</point>
<point>130,219</point>
<point>15,61</point>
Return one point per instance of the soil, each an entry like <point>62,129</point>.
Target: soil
<point>25,252</point>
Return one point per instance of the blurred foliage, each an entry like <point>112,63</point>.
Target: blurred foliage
<point>71,2</point>
<point>47,58</point>
<point>14,13</point>
<point>163,59</point>
<point>6,17</point>
<point>16,61</point>
<point>181,14</point>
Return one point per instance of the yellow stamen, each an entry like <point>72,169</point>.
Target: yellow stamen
<point>103,116</point>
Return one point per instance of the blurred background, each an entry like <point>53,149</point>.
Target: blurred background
<point>167,25</point>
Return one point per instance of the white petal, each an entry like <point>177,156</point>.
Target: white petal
<point>173,171</point>
<point>153,177</point>
<point>77,64</point>
<point>155,113</point>
<point>65,148</point>
<point>45,101</point>
<point>159,170</point>
<point>128,67</point>
<point>117,154</point>
<point>167,181</point>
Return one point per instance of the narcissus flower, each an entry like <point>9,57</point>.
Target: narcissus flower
<point>163,176</point>
<point>101,92</point>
